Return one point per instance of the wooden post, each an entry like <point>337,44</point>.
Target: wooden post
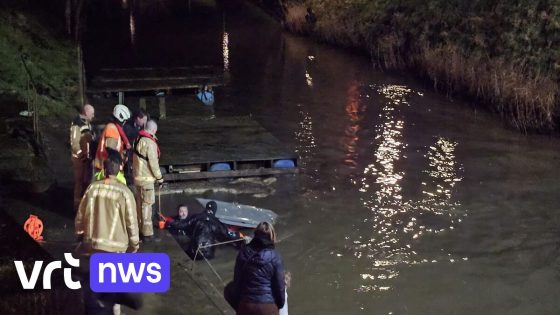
<point>68,16</point>
<point>162,113</point>
<point>81,77</point>
<point>78,6</point>
<point>143,103</point>
<point>78,20</point>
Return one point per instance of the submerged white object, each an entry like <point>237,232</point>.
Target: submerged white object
<point>236,214</point>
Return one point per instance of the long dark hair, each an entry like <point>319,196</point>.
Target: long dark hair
<point>265,230</point>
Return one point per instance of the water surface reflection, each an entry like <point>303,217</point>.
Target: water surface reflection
<point>395,224</point>
<point>351,133</point>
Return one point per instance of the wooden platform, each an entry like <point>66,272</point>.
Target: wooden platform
<point>190,146</point>
<point>151,79</point>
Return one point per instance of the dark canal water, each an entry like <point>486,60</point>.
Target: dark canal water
<point>408,202</point>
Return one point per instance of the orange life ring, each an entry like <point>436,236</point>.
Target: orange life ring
<point>34,227</point>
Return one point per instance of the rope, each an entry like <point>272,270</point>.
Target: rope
<point>208,262</point>
<point>207,295</point>
<point>212,268</point>
<point>159,202</point>
<point>161,218</point>
<point>221,243</point>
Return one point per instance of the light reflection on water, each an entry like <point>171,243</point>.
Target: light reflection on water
<point>225,50</point>
<point>308,79</point>
<point>442,172</point>
<point>351,133</point>
<point>306,142</point>
<point>394,225</point>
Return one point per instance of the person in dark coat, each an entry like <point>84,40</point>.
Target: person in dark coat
<point>132,129</point>
<point>205,229</point>
<point>258,286</point>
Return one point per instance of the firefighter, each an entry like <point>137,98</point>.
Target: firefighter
<point>81,143</point>
<point>106,222</point>
<point>131,129</point>
<point>145,168</point>
<point>113,138</point>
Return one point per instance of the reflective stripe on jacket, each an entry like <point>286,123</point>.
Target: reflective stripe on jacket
<point>80,138</point>
<point>107,217</point>
<point>145,163</point>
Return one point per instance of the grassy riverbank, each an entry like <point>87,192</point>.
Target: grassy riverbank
<point>503,54</point>
<point>38,65</point>
<point>32,35</point>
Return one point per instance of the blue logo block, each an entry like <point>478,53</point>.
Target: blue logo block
<point>138,272</point>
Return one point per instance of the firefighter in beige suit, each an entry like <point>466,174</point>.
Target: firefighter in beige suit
<point>145,168</point>
<point>106,220</point>
<point>81,138</point>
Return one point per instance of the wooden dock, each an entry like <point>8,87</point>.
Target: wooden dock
<point>152,79</point>
<point>190,146</point>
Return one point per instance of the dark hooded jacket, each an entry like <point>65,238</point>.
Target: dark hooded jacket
<point>259,273</point>
<point>204,229</point>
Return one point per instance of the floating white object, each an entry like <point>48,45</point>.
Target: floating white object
<point>240,215</point>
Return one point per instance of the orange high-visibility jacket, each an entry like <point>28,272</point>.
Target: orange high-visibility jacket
<point>109,139</point>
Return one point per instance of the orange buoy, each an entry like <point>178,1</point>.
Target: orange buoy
<point>162,221</point>
<point>34,227</point>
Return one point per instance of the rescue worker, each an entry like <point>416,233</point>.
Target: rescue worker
<point>178,225</point>
<point>113,138</point>
<point>106,222</point>
<point>99,221</point>
<point>131,128</point>
<point>81,143</point>
<point>205,229</point>
<point>145,168</point>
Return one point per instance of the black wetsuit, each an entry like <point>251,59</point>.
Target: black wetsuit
<point>178,226</point>
<point>204,229</point>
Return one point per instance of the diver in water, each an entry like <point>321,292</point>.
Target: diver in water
<point>178,224</point>
<point>205,229</point>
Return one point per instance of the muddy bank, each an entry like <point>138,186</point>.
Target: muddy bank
<point>501,55</point>
<point>37,61</point>
<point>23,165</point>
<point>39,75</point>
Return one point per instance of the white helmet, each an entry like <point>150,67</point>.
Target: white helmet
<point>121,113</point>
